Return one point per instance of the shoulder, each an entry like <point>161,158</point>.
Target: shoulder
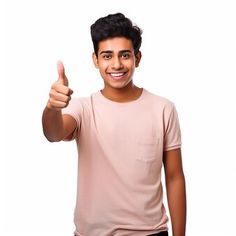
<point>82,101</point>
<point>83,104</point>
<point>161,102</point>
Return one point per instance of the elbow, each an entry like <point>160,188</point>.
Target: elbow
<point>52,139</point>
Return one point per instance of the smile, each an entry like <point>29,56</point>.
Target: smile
<point>117,75</point>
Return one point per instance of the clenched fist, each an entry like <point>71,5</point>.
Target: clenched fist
<point>60,93</point>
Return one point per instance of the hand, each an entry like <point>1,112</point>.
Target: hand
<point>60,93</point>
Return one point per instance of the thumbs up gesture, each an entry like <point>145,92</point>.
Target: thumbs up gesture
<point>60,93</point>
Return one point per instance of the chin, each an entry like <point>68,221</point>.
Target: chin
<point>119,86</point>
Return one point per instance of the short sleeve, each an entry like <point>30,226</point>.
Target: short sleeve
<point>172,132</point>
<point>74,109</point>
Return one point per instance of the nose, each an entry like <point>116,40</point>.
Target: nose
<point>117,63</point>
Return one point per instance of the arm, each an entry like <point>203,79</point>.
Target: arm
<point>176,193</point>
<point>56,126</point>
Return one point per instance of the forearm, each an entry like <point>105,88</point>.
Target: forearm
<point>53,124</point>
<point>176,194</point>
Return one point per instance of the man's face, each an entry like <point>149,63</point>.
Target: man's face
<point>116,61</point>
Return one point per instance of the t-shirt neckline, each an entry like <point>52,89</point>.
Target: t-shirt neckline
<point>109,101</point>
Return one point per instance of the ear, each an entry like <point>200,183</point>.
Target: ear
<point>95,60</point>
<point>138,57</point>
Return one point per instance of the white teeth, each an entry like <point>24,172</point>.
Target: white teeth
<point>117,74</point>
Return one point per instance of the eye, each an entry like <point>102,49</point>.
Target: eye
<point>125,55</point>
<point>106,56</point>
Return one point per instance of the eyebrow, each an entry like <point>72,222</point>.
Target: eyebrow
<point>121,51</point>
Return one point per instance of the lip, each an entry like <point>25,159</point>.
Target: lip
<point>117,75</point>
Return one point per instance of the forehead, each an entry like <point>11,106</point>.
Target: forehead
<point>115,44</point>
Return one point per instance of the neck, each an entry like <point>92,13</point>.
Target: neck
<point>129,93</point>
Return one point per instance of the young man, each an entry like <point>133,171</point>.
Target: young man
<point>124,133</point>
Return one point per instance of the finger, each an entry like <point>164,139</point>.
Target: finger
<point>60,88</point>
<point>70,92</point>
<point>59,97</point>
<point>61,73</point>
<point>57,104</point>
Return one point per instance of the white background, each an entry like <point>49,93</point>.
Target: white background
<point>189,56</point>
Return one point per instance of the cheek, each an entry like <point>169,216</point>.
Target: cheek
<point>131,66</point>
<point>102,70</point>
<point>103,66</point>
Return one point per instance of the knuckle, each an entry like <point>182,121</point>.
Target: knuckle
<point>51,101</point>
<point>68,98</point>
<point>51,93</point>
<point>67,91</point>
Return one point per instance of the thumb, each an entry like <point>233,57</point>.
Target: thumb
<point>61,73</point>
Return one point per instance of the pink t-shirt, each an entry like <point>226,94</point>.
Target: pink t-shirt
<point>120,147</point>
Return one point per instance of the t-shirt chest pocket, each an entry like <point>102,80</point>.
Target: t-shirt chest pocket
<point>148,149</point>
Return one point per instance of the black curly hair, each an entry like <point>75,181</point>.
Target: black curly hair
<point>115,25</point>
